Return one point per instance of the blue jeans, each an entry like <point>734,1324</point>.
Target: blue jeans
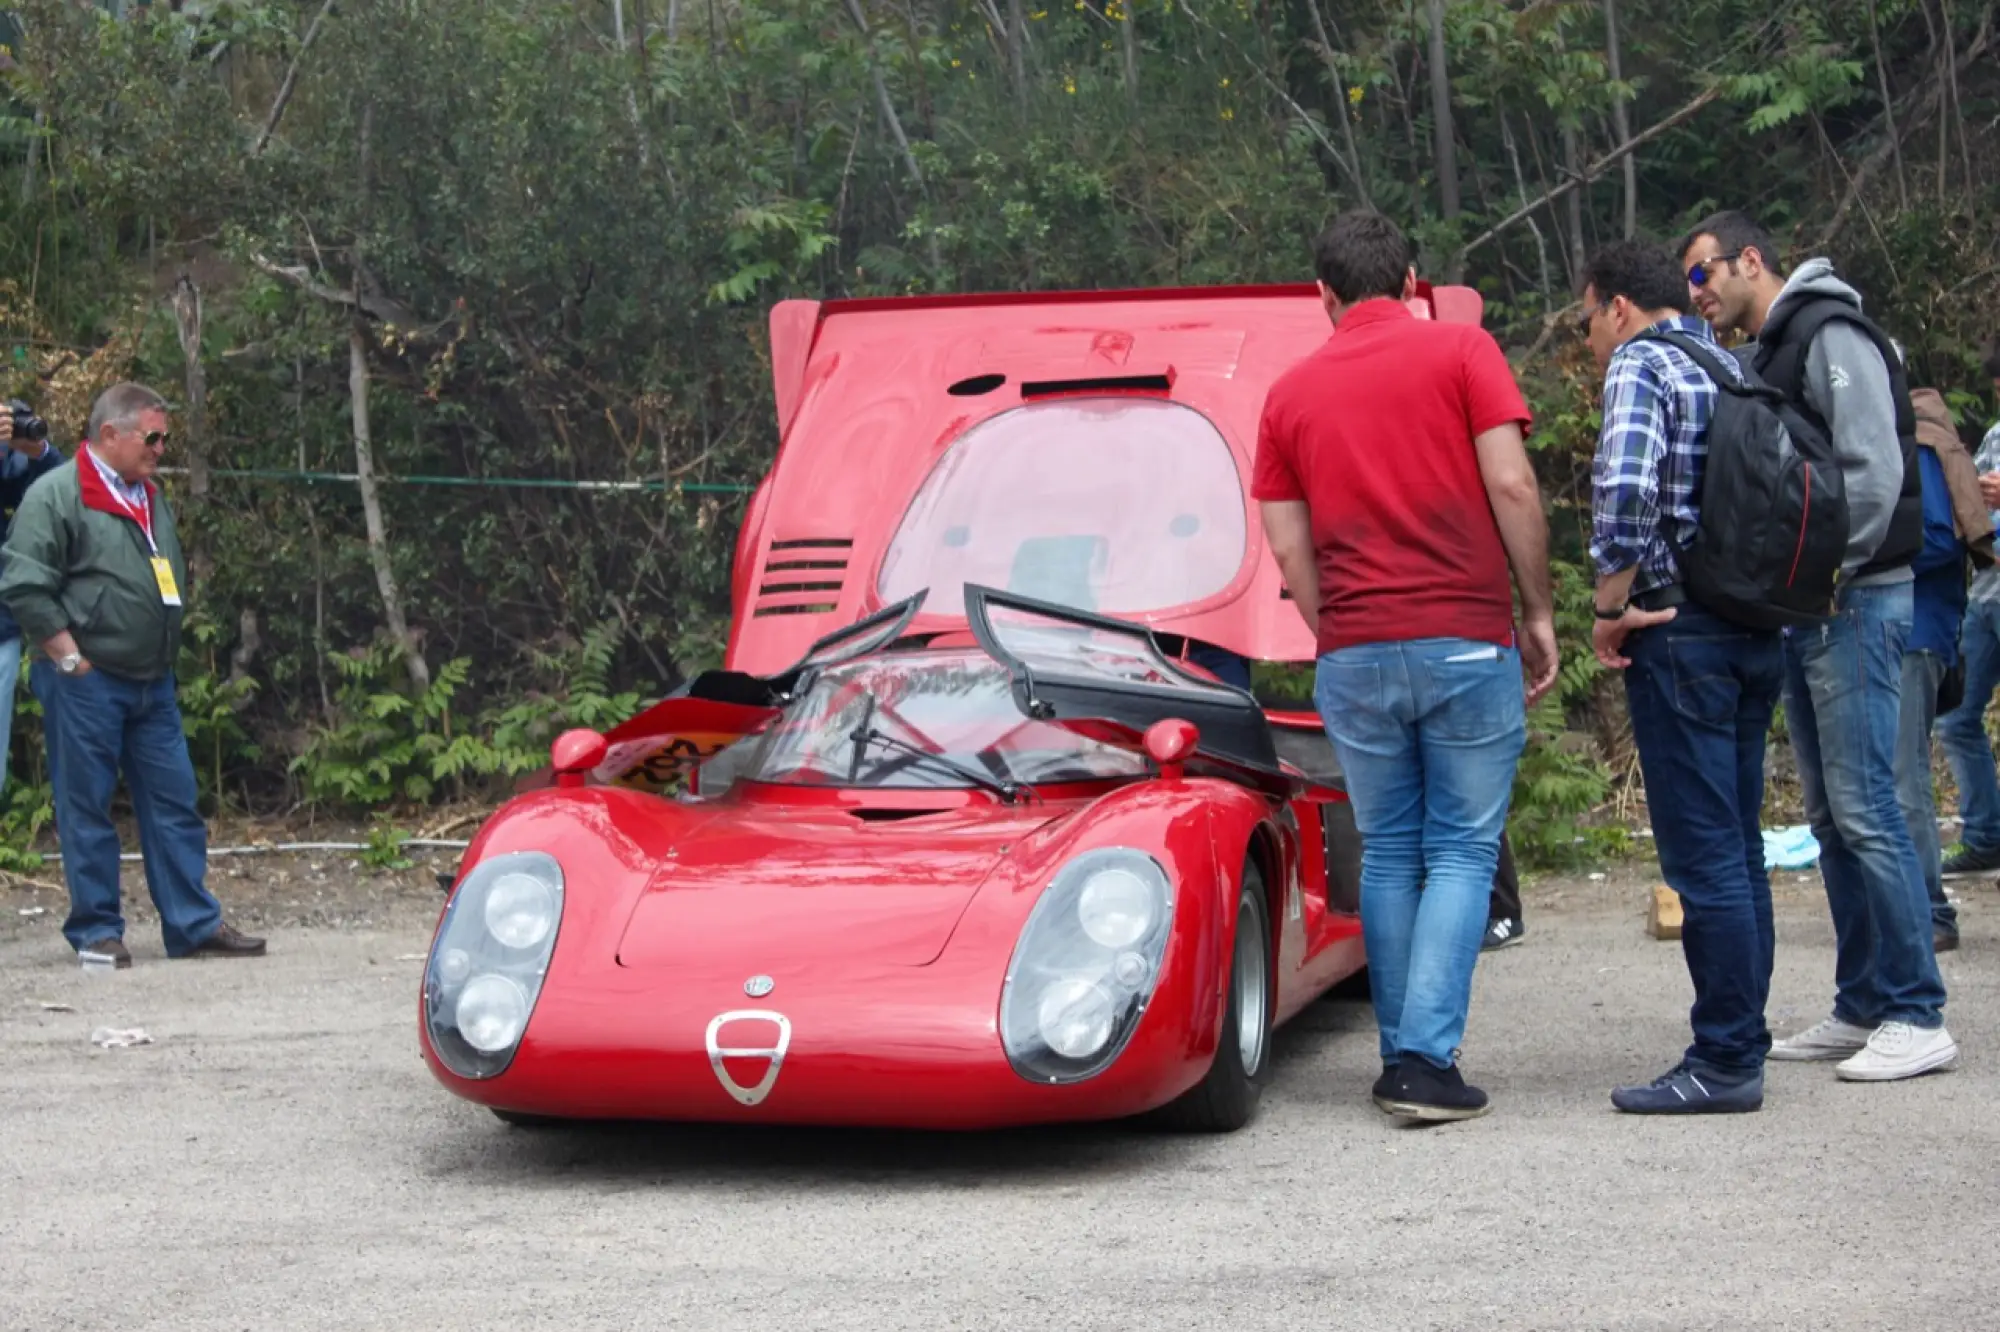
<point>1922,673</point>
<point>10,675</point>
<point>1701,692</point>
<point>98,724</point>
<point>1428,733</point>
<point>1843,705</point>
<point>1962,731</point>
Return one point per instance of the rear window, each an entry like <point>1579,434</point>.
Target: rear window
<point>1115,504</point>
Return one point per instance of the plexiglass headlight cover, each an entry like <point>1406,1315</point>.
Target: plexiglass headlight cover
<point>1086,965</point>
<point>486,967</point>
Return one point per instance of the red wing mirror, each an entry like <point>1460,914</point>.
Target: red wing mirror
<point>575,753</point>
<point>1169,742</point>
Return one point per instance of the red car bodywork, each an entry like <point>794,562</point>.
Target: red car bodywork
<point>881,921</point>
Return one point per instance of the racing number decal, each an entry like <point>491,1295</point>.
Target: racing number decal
<point>664,762</point>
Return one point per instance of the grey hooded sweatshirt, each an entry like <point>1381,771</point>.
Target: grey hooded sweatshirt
<point>1847,383</point>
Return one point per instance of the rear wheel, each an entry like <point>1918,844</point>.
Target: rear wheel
<point>1226,1098</point>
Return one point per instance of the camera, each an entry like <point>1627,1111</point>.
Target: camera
<point>26,424</point>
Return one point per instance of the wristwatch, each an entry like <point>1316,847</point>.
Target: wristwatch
<point>68,662</point>
<point>1614,613</point>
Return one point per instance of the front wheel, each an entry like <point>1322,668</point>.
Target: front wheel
<point>1226,1098</point>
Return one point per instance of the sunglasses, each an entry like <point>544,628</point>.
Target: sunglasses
<point>1703,271</point>
<point>156,439</point>
<point>1584,320</point>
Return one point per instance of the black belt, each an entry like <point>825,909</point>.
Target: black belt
<point>1660,598</point>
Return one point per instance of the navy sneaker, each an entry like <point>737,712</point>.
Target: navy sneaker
<point>1689,1090</point>
<point>1423,1091</point>
<point>1385,1086</point>
<point>1968,861</point>
<point>1502,932</point>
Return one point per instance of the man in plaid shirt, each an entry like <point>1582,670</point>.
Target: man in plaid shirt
<point>1700,689</point>
<point>1962,732</point>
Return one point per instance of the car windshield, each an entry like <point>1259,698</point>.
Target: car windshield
<point>951,706</point>
<point>1118,505</point>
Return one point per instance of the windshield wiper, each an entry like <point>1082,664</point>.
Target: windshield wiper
<point>1008,791</point>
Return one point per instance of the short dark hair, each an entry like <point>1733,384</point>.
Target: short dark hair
<point>1738,231</point>
<point>1641,272</point>
<point>1362,254</point>
<point>1992,362</point>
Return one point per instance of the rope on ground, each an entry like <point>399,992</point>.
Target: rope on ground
<point>285,848</point>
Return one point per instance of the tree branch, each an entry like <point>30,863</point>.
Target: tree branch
<point>1596,168</point>
<point>284,96</point>
<point>1929,95</point>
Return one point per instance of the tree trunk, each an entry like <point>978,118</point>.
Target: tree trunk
<point>1573,168</point>
<point>371,509</point>
<point>1888,105</point>
<point>1521,186</point>
<point>187,323</point>
<point>1442,133</point>
<point>1017,51</point>
<point>291,79</point>
<point>1621,120</point>
<point>887,107</point>
<point>1340,105</point>
<point>631,94</point>
<point>1128,40</point>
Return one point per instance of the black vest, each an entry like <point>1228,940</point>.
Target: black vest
<point>1780,358</point>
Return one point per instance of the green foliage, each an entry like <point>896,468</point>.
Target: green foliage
<point>27,809</point>
<point>388,744</point>
<point>385,847</point>
<point>582,240</point>
<point>1561,780</point>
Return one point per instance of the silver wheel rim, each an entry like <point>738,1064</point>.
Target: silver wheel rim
<point>1250,988</point>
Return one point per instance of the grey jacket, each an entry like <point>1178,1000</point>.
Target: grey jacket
<point>1848,385</point>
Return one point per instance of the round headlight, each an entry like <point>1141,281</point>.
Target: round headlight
<point>1076,1018</point>
<point>1116,907</point>
<point>491,1014</point>
<point>520,910</point>
<point>454,965</point>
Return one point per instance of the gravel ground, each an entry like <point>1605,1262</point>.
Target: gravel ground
<point>280,1158</point>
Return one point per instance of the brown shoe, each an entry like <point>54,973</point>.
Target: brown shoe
<point>96,954</point>
<point>228,941</point>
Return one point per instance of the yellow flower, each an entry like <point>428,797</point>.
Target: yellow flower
<point>1354,95</point>
<point>1223,84</point>
<point>1229,113</point>
<point>1069,83</point>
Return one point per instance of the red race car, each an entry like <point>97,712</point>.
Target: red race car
<point>981,823</point>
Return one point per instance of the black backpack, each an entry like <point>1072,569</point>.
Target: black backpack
<point>1771,532</point>
<point>1779,358</point>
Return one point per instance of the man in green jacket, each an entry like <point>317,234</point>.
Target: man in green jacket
<point>94,573</point>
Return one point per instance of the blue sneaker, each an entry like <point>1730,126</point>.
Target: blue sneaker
<point>1689,1090</point>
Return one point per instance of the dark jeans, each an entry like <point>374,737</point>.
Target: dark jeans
<point>1843,706</point>
<point>1962,731</point>
<point>1922,673</point>
<point>1701,692</point>
<point>96,725</point>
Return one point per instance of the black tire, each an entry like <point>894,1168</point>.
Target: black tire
<point>515,1119</point>
<point>1226,1098</point>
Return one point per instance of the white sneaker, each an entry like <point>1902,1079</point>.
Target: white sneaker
<point>1828,1039</point>
<point>1899,1050</point>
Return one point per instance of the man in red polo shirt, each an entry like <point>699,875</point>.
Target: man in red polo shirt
<point>1396,494</point>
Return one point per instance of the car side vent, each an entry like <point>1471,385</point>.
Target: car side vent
<point>802,577</point>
